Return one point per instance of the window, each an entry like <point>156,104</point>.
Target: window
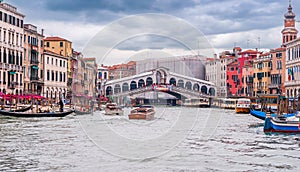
<point>41,74</point>
<point>47,60</point>
<point>48,75</point>
<point>47,44</point>
<point>60,77</point>
<point>56,62</point>
<point>60,63</point>
<point>61,44</point>
<point>52,75</point>
<point>56,76</point>
<point>52,61</point>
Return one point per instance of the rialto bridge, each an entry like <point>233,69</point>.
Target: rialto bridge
<point>160,79</point>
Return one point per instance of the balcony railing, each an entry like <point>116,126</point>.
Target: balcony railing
<point>274,85</point>
<point>34,62</point>
<point>34,78</point>
<point>291,83</point>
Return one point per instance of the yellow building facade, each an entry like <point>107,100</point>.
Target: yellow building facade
<point>261,74</point>
<point>64,48</point>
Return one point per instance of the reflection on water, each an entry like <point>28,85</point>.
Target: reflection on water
<point>61,144</point>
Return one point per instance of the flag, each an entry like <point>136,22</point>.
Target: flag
<point>289,74</point>
<point>299,124</point>
<point>100,75</point>
<point>292,73</point>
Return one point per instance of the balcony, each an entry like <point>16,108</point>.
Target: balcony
<point>292,83</point>
<point>34,62</point>
<point>274,85</point>
<point>34,78</point>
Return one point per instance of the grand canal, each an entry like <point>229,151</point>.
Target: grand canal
<point>179,139</point>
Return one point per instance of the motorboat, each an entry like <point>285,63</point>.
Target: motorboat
<point>242,105</point>
<point>113,109</point>
<point>142,112</point>
<point>282,124</point>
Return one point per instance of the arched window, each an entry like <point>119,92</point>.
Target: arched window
<point>125,87</point>
<point>180,83</point>
<point>149,81</point>
<point>117,88</point>
<point>133,85</point>
<point>141,83</point>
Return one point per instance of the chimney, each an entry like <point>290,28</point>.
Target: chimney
<point>43,32</point>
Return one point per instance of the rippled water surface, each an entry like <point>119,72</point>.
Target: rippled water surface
<point>179,139</point>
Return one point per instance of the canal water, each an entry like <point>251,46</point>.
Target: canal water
<point>179,139</point>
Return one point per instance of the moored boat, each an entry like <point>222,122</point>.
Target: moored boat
<point>243,105</point>
<point>142,112</point>
<point>282,124</point>
<point>78,112</point>
<point>262,115</point>
<point>32,115</point>
<point>229,103</point>
<point>197,102</point>
<point>113,109</point>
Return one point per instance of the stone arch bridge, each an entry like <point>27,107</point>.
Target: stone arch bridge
<point>161,79</point>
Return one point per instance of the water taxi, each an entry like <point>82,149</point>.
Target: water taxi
<point>142,112</point>
<point>229,103</point>
<point>243,105</point>
<point>198,102</point>
<point>113,109</point>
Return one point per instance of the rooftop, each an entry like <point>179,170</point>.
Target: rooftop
<point>55,38</point>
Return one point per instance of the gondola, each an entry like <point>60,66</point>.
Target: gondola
<point>77,112</point>
<point>32,115</point>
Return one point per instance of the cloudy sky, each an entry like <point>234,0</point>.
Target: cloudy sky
<point>225,23</point>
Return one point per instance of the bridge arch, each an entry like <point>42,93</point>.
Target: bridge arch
<point>141,83</point>
<point>180,83</point>
<point>212,91</point>
<point>133,85</point>
<point>196,87</point>
<point>172,81</point>
<point>161,76</point>
<point>149,81</point>
<point>204,89</point>
<point>125,87</point>
<point>188,85</point>
<point>109,90</point>
<point>117,88</point>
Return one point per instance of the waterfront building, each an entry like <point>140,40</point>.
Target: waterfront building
<point>235,85</point>
<point>83,79</point>
<point>292,71</point>
<point>190,65</point>
<point>262,74</point>
<point>247,78</point>
<point>64,48</point>
<point>11,49</point>
<point>55,75</point>
<point>277,67</point>
<point>122,70</point>
<point>215,71</point>
<point>33,60</point>
<point>102,78</point>
<point>90,77</point>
